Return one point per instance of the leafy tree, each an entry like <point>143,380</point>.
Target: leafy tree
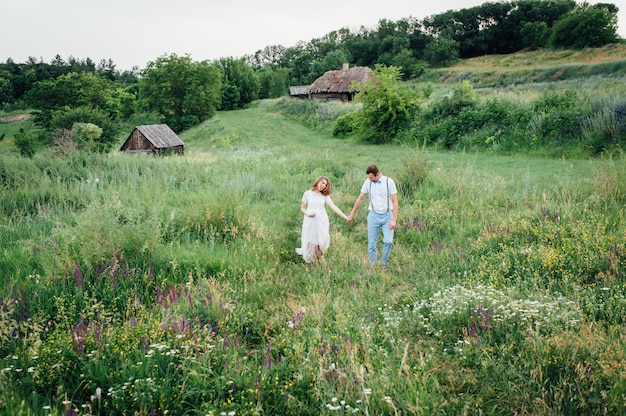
<point>535,34</point>
<point>79,90</point>
<point>442,52</point>
<point>586,26</point>
<point>230,97</point>
<point>273,82</point>
<point>333,60</point>
<point>239,75</point>
<point>71,90</point>
<point>387,106</point>
<point>495,27</point>
<point>180,90</point>
<point>6,87</point>
<point>268,56</point>
<point>362,47</point>
<point>301,69</point>
<point>409,65</point>
<point>106,68</point>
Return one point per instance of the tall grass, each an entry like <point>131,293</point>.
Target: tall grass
<point>170,285</point>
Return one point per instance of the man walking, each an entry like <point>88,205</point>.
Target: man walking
<point>383,212</point>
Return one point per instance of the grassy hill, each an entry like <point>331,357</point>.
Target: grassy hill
<point>542,58</point>
<point>537,66</point>
<point>170,285</point>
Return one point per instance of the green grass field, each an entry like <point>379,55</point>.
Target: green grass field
<point>170,285</point>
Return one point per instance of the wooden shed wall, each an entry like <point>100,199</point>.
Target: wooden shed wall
<point>343,97</point>
<point>137,142</point>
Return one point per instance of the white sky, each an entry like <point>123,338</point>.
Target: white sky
<point>134,32</point>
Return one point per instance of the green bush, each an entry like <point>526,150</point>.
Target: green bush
<point>387,107</point>
<point>345,125</point>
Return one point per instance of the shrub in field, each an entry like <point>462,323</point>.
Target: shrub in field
<point>387,107</point>
<point>414,174</point>
<point>463,96</point>
<point>605,129</point>
<point>562,116</point>
<point>26,142</point>
<point>345,125</point>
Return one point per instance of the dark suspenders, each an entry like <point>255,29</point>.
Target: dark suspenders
<point>370,192</point>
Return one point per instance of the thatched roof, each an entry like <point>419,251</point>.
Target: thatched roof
<point>339,81</point>
<point>160,135</point>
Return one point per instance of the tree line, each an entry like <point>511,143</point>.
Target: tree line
<point>182,93</point>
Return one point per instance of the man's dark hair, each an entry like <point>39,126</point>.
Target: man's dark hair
<point>373,169</point>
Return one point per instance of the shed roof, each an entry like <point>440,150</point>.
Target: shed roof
<point>340,80</point>
<point>160,135</point>
<point>298,90</point>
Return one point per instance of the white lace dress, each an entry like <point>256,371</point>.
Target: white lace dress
<point>315,230</point>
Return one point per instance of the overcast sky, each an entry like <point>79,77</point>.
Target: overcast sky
<point>134,32</point>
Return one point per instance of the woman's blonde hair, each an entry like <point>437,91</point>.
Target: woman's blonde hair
<point>326,191</point>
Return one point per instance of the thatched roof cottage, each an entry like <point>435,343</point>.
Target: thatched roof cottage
<point>335,85</point>
<point>153,138</point>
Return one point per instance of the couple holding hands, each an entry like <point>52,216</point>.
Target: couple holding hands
<point>383,213</point>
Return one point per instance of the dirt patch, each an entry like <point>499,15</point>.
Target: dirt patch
<point>16,117</point>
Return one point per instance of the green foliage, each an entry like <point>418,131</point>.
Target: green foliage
<point>274,82</point>
<point>240,85</point>
<point>559,117</point>
<point>26,142</point>
<point>230,97</point>
<point>66,118</point>
<point>346,124</point>
<point>557,121</point>
<point>412,177</point>
<point>387,107</point>
<point>586,26</point>
<point>495,27</point>
<point>442,52</point>
<point>86,134</point>
<point>535,34</point>
<point>71,90</point>
<point>180,90</point>
<point>463,97</point>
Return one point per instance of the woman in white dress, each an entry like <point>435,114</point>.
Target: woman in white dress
<point>316,226</point>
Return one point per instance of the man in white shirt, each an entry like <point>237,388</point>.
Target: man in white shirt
<point>383,212</point>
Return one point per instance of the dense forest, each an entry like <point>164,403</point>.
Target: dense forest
<point>181,92</point>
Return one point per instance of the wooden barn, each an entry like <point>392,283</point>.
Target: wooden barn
<point>335,85</point>
<point>153,139</point>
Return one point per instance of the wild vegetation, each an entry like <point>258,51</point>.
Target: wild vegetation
<point>170,285</point>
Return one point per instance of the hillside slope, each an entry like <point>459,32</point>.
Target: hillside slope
<point>535,66</point>
<point>541,59</point>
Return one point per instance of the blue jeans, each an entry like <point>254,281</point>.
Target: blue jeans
<point>376,222</point>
